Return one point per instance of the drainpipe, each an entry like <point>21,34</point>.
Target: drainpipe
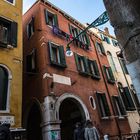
<point>116,120</point>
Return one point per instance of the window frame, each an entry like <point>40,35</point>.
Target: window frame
<point>100,48</point>
<point>30,28</point>
<point>60,50</point>
<point>105,113</point>
<point>8,89</point>
<point>14,2</point>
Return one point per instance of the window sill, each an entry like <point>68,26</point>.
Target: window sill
<point>83,73</point>
<point>111,81</point>
<point>96,77</point>
<point>58,65</point>
<point>105,118</point>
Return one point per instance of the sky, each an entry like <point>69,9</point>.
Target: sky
<point>85,11</point>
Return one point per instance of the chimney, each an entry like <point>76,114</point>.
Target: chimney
<point>106,30</point>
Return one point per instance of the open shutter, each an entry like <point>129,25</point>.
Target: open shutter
<point>77,62</point>
<point>13,40</point>
<point>87,41</point>
<point>62,56</point>
<point>46,16</point>
<point>102,49</point>
<point>106,107</point>
<point>105,71</point>
<point>129,99</point>
<point>70,29</point>
<point>122,109</point>
<point>111,75</point>
<point>50,52</point>
<point>96,68</point>
<point>55,20</point>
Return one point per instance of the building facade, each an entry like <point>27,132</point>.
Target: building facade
<point>126,26</point>
<point>61,90</point>
<point>122,77</point>
<point>11,62</point>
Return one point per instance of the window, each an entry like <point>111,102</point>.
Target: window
<point>109,74</point>
<point>82,64</point>
<point>118,105</point>
<point>57,56</point>
<point>126,97</point>
<point>115,43</point>
<point>111,61</point>
<point>51,19</point>
<point>10,1</point>
<point>123,65</point>
<point>103,105</point>
<point>31,62</point>
<point>8,33</point>
<point>106,39</point>
<point>30,28</point>
<point>83,40</point>
<point>93,69</point>
<point>100,48</point>
<point>4,85</point>
<point>92,102</point>
<point>135,97</point>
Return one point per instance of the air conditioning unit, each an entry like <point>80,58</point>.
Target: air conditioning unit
<point>10,46</point>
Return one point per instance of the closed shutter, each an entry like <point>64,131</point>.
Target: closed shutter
<point>106,107</point>
<point>102,49</point>
<point>129,99</point>
<point>50,52</point>
<point>46,16</point>
<point>13,37</point>
<point>96,68</point>
<point>77,62</point>
<point>86,65</point>
<point>55,20</point>
<point>62,56</point>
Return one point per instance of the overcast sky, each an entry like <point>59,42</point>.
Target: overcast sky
<point>85,11</point>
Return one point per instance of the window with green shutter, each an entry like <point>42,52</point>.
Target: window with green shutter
<point>51,19</point>
<point>8,33</point>
<point>100,48</point>
<point>57,55</point>
<point>106,39</point>
<point>82,64</point>
<point>93,69</point>
<point>103,105</point>
<point>109,74</point>
<point>118,105</point>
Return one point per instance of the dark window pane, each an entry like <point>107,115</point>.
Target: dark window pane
<point>11,1</point>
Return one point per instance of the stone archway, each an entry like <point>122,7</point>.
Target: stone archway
<point>34,120</point>
<point>70,109</point>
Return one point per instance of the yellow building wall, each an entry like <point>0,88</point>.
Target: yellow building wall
<point>12,58</point>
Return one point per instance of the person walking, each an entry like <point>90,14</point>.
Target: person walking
<point>91,132</point>
<point>79,132</point>
<point>5,131</point>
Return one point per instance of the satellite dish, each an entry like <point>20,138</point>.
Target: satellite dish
<point>69,53</point>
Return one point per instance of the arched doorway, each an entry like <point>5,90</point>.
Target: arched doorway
<point>33,124</point>
<point>70,112</point>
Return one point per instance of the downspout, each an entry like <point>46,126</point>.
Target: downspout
<point>116,120</point>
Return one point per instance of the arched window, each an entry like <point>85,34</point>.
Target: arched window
<point>92,102</point>
<point>111,61</point>
<point>4,85</point>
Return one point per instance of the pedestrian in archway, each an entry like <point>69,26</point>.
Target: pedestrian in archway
<point>5,131</point>
<point>79,131</point>
<point>91,132</point>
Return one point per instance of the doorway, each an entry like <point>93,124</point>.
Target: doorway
<point>34,131</point>
<point>70,112</point>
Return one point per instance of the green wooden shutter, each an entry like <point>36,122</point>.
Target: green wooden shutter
<point>129,99</point>
<point>98,95</point>
<point>102,49</point>
<point>87,41</point>
<point>70,29</point>
<point>111,74</point>
<point>77,62</point>
<point>62,56</point>
<point>86,65</point>
<point>56,20</point>
<point>106,107</point>
<point>13,40</point>
<point>122,109</point>
<point>46,16</point>
<point>96,68</point>
<point>105,69</point>
<point>125,100</point>
<point>50,52</point>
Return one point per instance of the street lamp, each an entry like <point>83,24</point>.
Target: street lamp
<point>102,19</point>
